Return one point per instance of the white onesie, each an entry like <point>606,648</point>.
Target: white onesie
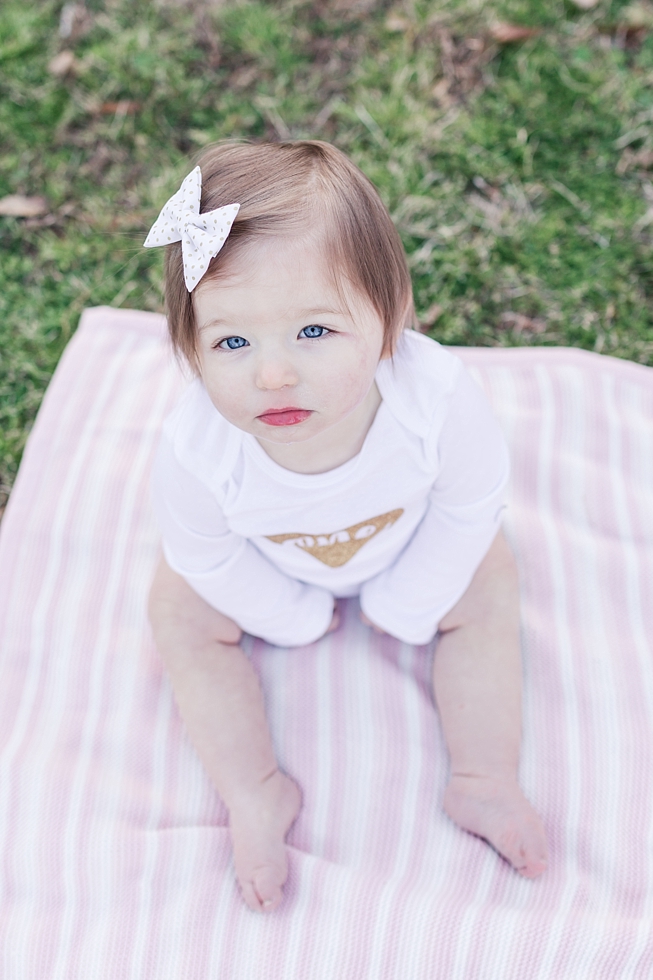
<point>403,525</point>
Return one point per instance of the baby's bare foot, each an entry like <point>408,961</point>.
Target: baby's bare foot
<point>498,811</point>
<point>259,823</point>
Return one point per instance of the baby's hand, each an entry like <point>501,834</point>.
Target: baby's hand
<point>368,622</point>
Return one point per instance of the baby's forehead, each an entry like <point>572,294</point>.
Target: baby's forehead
<point>292,256</point>
<point>293,276</point>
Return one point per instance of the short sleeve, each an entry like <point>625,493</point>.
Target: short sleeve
<point>226,569</point>
<point>462,518</point>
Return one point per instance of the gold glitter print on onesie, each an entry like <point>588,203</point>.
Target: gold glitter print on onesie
<point>337,548</point>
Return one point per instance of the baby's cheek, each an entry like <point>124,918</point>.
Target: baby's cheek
<point>228,397</point>
<point>346,389</point>
<point>356,381</point>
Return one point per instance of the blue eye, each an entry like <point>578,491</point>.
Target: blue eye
<point>233,343</point>
<point>313,331</point>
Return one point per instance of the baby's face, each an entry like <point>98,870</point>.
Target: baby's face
<point>280,356</point>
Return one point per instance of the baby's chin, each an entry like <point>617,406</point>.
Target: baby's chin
<point>286,435</point>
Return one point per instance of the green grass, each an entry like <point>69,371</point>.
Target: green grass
<point>516,173</point>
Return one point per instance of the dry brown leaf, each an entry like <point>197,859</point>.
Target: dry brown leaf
<point>520,323</point>
<point>75,21</point>
<point>62,63</point>
<point>241,78</point>
<point>397,23</point>
<point>629,160</point>
<point>644,222</point>
<point>507,33</point>
<point>126,107</point>
<point>637,16</point>
<point>116,222</point>
<point>19,206</point>
<point>440,91</point>
<point>492,193</point>
<point>463,61</point>
<point>355,7</point>
<point>427,319</point>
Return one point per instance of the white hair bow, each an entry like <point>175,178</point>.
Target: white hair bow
<point>201,235</point>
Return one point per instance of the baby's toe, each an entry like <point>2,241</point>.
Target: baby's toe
<point>252,901</point>
<point>524,845</point>
<point>267,885</point>
<point>532,858</point>
<point>498,811</point>
<point>533,869</point>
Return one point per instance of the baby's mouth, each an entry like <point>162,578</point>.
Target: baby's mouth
<point>284,416</point>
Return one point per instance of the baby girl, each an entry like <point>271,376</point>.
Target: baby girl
<point>325,449</point>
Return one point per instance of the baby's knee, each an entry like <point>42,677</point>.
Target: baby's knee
<point>176,611</point>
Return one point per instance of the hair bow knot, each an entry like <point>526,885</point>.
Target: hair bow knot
<point>201,235</point>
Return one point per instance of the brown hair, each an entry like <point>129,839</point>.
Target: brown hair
<point>284,189</point>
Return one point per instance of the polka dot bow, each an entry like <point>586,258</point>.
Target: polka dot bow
<point>201,235</point>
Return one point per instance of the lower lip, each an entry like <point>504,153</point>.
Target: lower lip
<point>291,417</point>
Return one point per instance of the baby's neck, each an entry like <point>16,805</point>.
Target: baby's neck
<point>331,448</point>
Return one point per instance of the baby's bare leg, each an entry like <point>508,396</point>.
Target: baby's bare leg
<point>221,702</point>
<point>477,687</point>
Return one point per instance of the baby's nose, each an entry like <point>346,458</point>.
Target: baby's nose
<point>275,373</point>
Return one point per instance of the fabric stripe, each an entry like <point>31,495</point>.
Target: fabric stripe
<point>47,621</point>
<point>122,531</point>
<point>115,853</point>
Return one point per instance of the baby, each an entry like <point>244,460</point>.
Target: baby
<point>325,449</point>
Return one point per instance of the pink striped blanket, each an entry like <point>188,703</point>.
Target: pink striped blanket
<point>114,852</point>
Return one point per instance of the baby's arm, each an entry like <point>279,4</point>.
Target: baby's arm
<point>216,688</point>
<point>463,516</point>
<point>219,697</point>
<point>226,570</point>
<point>212,585</point>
